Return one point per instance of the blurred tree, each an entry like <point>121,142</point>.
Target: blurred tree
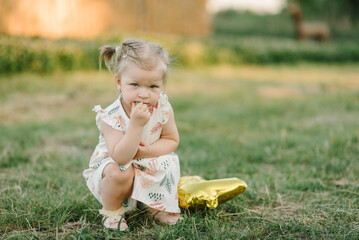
<point>343,10</point>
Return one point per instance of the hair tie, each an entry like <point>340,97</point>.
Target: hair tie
<point>118,51</point>
<point>125,54</point>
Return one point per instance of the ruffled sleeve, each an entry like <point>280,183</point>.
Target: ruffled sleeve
<point>164,106</point>
<point>110,117</point>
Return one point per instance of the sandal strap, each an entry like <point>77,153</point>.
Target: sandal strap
<point>118,221</point>
<point>154,213</point>
<point>113,213</point>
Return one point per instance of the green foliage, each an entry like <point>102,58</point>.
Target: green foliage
<point>265,50</point>
<point>331,10</point>
<point>20,54</point>
<point>234,23</point>
<point>238,38</point>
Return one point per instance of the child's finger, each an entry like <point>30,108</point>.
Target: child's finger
<point>147,109</point>
<point>139,107</point>
<point>144,107</point>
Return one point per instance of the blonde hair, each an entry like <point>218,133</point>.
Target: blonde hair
<point>144,54</point>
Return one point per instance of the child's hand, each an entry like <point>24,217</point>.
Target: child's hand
<point>140,114</point>
<point>143,150</point>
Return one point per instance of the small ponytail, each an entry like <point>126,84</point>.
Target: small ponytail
<point>107,53</point>
<point>143,54</point>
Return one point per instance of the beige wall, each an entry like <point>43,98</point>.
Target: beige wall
<point>89,18</point>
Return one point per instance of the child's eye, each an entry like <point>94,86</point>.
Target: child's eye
<point>134,84</point>
<point>154,86</point>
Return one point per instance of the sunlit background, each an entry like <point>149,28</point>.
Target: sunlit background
<point>89,18</point>
<point>42,36</point>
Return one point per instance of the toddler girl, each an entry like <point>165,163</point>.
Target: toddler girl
<point>134,159</point>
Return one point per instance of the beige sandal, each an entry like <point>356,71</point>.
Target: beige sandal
<point>114,219</point>
<point>165,217</point>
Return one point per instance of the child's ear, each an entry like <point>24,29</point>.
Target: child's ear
<point>118,82</point>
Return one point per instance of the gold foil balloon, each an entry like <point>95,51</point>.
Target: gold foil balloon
<point>195,192</point>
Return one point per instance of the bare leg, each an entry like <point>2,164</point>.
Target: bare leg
<point>116,186</point>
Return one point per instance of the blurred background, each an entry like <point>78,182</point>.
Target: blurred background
<point>43,36</point>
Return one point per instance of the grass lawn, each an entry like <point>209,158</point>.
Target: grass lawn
<point>290,132</point>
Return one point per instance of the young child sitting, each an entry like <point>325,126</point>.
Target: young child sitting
<point>134,159</point>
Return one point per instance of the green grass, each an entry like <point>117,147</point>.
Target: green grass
<point>290,132</point>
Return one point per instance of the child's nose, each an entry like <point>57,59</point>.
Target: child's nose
<point>143,93</point>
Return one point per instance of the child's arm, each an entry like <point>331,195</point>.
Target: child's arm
<point>167,143</point>
<point>121,146</point>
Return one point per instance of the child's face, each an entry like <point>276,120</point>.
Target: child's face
<point>140,85</point>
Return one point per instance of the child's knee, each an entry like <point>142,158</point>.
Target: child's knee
<point>114,173</point>
<point>129,173</point>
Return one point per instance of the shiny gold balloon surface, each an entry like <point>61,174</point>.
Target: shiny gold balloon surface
<point>195,192</point>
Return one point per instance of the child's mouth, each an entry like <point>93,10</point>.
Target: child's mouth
<point>137,102</point>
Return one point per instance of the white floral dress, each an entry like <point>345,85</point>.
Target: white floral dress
<point>156,179</point>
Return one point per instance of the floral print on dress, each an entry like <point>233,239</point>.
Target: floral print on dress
<point>158,206</point>
<point>153,166</point>
<point>147,182</point>
<point>168,181</point>
<point>112,111</point>
<point>156,196</point>
<point>165,164</point>
<point>123,168</point>
<point>121,121</point>
<point>156,128</point>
